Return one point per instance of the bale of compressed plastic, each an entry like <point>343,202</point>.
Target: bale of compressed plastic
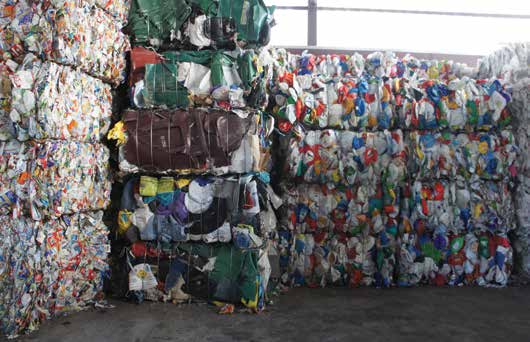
<point>511,64</point>
<point>53,177</point>
<point>75,34</point>
<point>382,92</point>
<point>52,101</point>
<point>222,79</point>
<point>345,157</point>
<point>50,267</point>
<point>198,139</point>
<point>455,233</point>
<point>343,235</point>
<point>165,24</point>
<point>490,156</point>
<point>186,230</point>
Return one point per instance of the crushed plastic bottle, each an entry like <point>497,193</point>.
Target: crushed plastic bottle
<point>383,92</point>
<point>345,157</point>
<point>486,155</point>
<point>445,184</point>
<point>343,235</point>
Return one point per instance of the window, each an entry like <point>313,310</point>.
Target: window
<point>290,28</point>
<point>286,2</point>
<point>474,27</point>
<point>461,6</point>
<point>418,32</point>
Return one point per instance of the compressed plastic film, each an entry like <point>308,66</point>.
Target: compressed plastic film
<point>75,34</point>
<point>213,140</point>
<point>51,101</point>
<point>221,79</point>
<point>204,228</point>
<point>49,267</point>
<point>53,178</point>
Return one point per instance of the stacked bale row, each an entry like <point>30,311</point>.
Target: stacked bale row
<point>408,178</point>
<point>511,64</point>
<point>58,62</point>
<point>196,213</point>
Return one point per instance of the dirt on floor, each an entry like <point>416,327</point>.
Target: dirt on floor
<point>415,314</point>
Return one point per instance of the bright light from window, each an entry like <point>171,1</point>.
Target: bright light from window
<point>290,29</point>
<point>404,31</point>
<point>418,33</point>
<point>469,6</point>
<point>286,2</point>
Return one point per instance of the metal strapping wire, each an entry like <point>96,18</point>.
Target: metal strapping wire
<point>189,265</point>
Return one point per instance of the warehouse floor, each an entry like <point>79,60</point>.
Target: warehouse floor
<point>420,314</point>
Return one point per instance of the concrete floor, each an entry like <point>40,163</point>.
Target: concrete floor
<point>419,314</point>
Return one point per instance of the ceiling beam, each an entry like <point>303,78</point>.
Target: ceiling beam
<point>398,11</point>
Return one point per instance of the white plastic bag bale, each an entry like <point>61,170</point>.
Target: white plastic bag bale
<point>509,62</point>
